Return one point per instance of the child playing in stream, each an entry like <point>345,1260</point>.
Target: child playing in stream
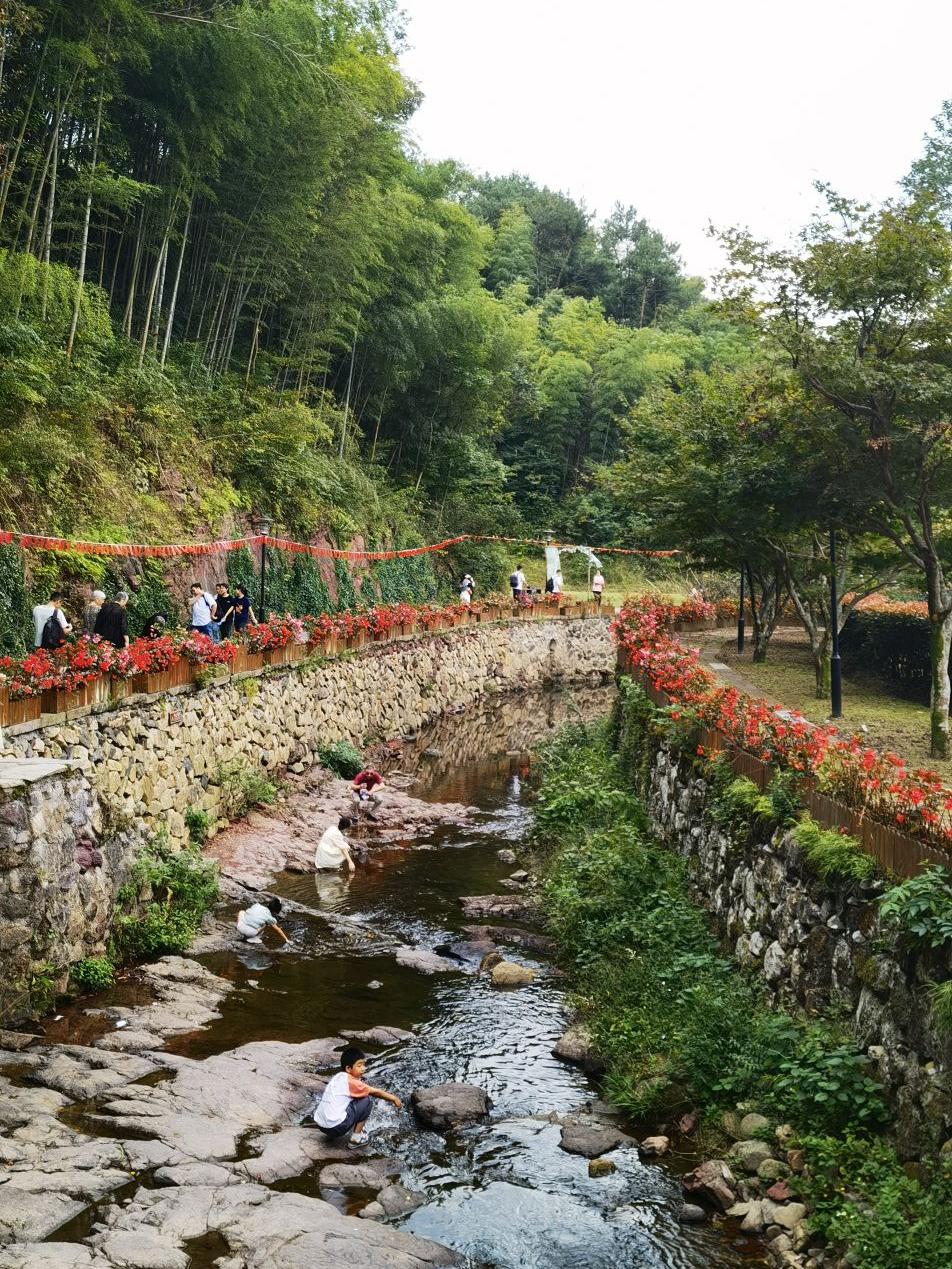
<point>347,1101</point>
<point>258,917</point>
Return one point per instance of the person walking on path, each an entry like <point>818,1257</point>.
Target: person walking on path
<point>517,581</point>
<point>91,612</point>
<point>244,613</point>
<point>202,605</point>
<point>252,921</point>
<point>334,849</point>
<point>224,611</point>
<point>347,1101</point>
<point>112,624</point>
<point>46,618</point>
<point>598,585</point>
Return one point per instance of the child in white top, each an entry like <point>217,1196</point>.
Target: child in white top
<point>347,1101</point>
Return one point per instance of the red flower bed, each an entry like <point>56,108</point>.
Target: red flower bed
<point>878,784</point>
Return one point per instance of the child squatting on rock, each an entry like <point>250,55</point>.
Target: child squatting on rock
<point>347,1101</point>
<point>252,921</point>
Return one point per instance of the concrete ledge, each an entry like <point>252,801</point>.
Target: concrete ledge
<point>17,772</point>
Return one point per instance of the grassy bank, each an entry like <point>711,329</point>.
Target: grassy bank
<point>786,677</point>
<point>681,1027</point>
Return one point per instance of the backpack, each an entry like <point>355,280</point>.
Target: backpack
<point>514,580</point>
<point>53,636</point>
<point>550,586</point>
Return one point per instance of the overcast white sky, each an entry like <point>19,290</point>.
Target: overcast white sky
<point>692,110</point>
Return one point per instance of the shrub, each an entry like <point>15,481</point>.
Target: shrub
<point>94,973</point>
<point>244,787</point>
<point>833,855</point>
<point>940,995</point>
<point>824,1086</point>
<point>43,991</point>
<point>198,824</point>
<point>342,758</point>
<point>863,1199</point>
<point>183,886</point>
<point>921,908</point>
<point>741,806</point>
<point>784,793</point>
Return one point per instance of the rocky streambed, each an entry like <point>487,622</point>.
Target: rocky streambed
<point>165,1124</point>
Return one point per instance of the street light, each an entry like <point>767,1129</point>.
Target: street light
<point>263,527</point>
<point>836,672</point>
<point>741,623</point>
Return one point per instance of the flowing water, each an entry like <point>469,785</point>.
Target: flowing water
<point>504,1193</point>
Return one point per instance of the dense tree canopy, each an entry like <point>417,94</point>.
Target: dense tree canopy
<point>226,285</point>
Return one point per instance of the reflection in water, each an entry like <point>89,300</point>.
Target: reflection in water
<point>331,889</point>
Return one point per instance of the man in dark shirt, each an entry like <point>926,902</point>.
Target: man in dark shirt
<point>224,613</point>
<point>112,624</point>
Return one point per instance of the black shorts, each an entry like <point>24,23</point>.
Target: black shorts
<point>358,1110</point>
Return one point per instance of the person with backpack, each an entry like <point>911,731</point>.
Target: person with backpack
<point>50,626</point>
<point>517,581</point>
<point>203,607</point>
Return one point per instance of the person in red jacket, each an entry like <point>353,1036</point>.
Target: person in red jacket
<point>366,791</point>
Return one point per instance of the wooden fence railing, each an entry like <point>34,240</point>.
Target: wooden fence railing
<point>898,852</point>
<point>105,690</point>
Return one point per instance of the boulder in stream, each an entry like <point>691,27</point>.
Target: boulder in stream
<point>427,962</point>
<point>448,1106</point>
<point>383,1037</point>
<point>575,1046</point>
<point>590,1140</point>
<point>265,1227</point>
<point>499,907</point>
<point>713,1182</point>
<point>508,974</point>
<point>393,1200</point>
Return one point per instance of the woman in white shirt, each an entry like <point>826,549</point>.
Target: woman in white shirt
<point>334,849</point>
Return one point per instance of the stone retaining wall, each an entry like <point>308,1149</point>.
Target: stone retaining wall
<point>125,772</point>
<point>816,945</point>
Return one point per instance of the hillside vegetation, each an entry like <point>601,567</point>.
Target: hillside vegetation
<point>228,285</point>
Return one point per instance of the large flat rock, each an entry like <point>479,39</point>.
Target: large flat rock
<point>263,1228</point>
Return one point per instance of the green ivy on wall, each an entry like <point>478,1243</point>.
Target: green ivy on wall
<point>15,619</point>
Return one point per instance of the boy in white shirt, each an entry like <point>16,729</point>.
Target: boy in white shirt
<point>347,1101</point>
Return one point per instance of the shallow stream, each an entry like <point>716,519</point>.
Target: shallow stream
<point>504,1194</point>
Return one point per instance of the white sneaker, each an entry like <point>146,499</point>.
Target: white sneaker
<point>358,1140</point>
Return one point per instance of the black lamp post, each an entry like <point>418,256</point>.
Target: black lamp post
<point>836,672</point>
<point>264,528</point>
<point>741,621</point>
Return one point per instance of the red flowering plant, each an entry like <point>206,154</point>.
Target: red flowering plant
<point>276,632</point>
<point>200,650</point>
<point>143,656</point>
<point>320,628</point>
<point>18,685</point>
<point>429,615</point>
<point>878,785</point>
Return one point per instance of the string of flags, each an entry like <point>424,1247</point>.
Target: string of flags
<point>137,550</point>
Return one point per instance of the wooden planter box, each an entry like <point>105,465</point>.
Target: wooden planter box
<point>60,701</point>
<point>26,709</point>
<point>692,627</point>
<point>246,660</point>
<point>279,656</point>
